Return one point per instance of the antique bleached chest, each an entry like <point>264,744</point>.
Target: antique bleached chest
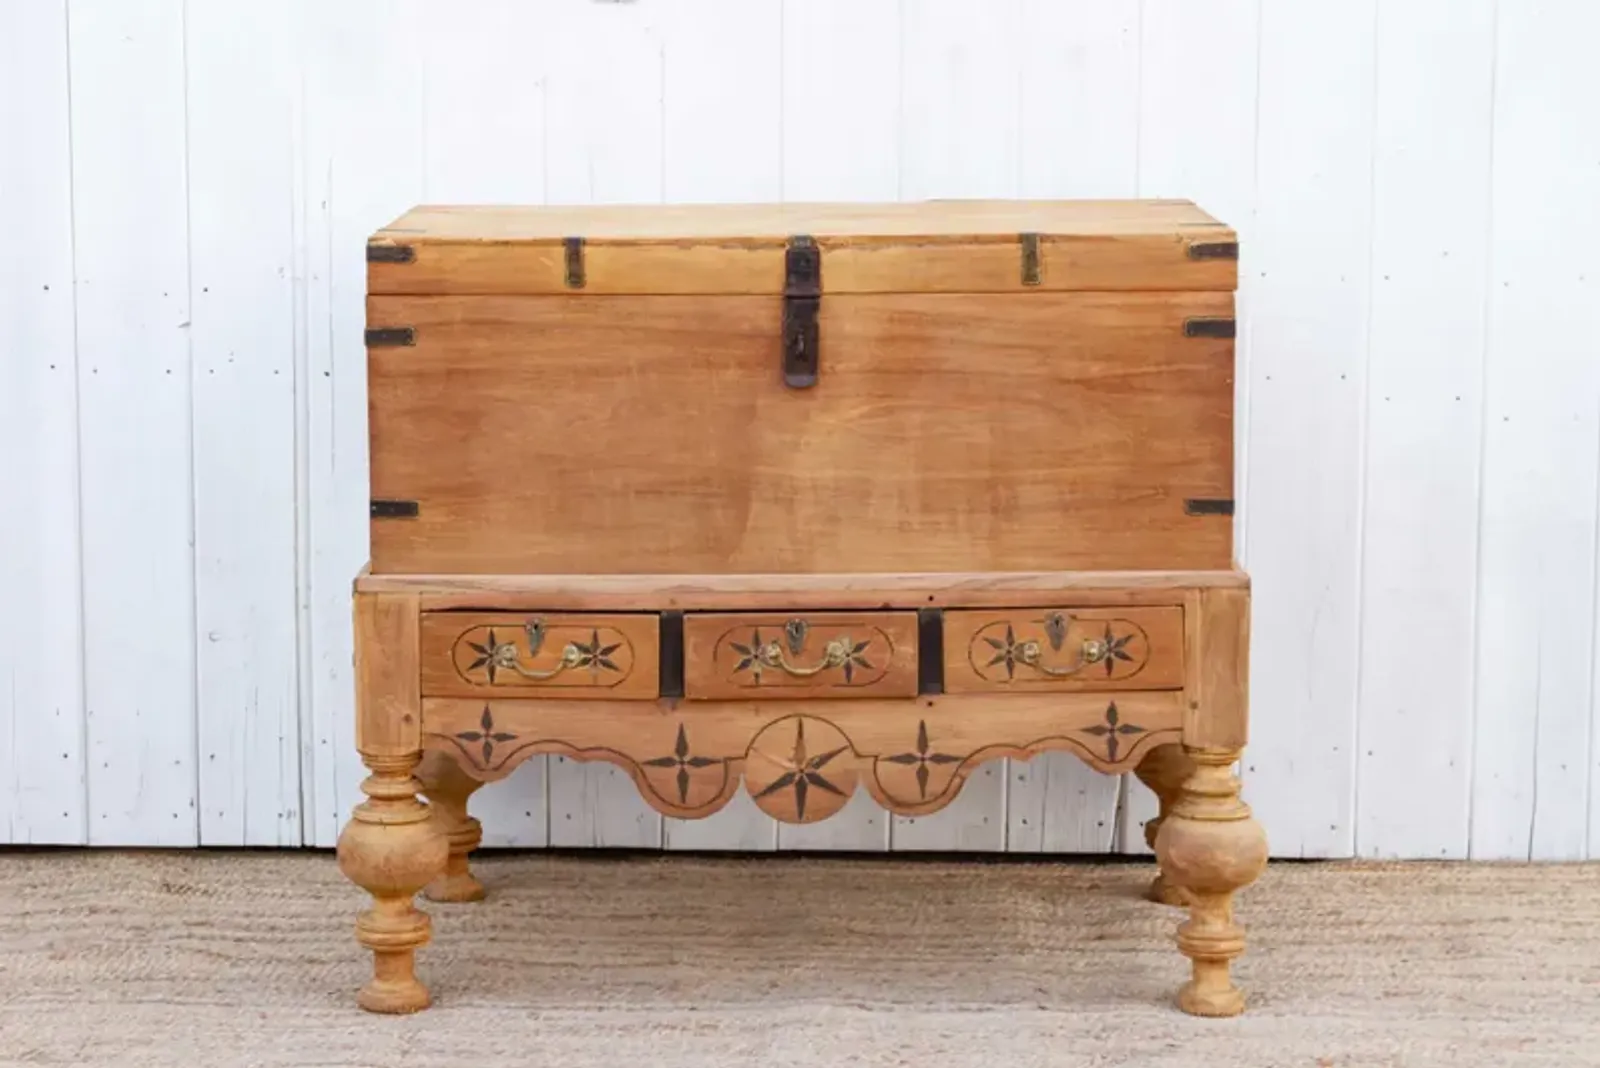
<point>800,500</point>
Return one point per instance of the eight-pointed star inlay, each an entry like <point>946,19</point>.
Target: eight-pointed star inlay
<point>804,772</point>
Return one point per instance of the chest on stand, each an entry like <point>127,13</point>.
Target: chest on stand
<point>801,500</point>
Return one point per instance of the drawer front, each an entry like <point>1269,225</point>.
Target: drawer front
<point>1029,649</point>
<point>737,656</point>
<point>554,654</point>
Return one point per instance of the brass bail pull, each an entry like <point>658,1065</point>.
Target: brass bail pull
<point>834,654</point>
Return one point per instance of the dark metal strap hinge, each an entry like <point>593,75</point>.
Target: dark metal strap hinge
<point>388,509</point>
<point>1214,250</point>
<point>574,250</point>
<point>1219,326</point>
<point>391,254</point>
<point>1030,259</point>
<point>802,299</point>
<point>1208,506</point>
<point>389,336</point>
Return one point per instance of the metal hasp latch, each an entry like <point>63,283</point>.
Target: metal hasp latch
<point>802,296</point>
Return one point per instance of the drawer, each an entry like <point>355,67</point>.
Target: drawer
<point>1030,649</point>
<point>744,655</point>
<point>557,654</point>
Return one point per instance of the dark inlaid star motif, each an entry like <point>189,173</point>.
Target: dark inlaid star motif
<point>1008,652</point>
<point>1115,649</point>
<point>853,658</point>
<point>488,735</point>
<point>922,758</point>
<point>1111,729</point>
<point>595,656</point>
<point>491,654</point>
<point>804,772</point>
<point>683,761</point>
<point>750,655</point>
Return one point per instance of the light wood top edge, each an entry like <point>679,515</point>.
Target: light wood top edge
<point>755,224</point>
<point>689,585</point>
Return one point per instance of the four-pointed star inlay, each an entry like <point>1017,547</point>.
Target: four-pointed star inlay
<point>1111,729</point>
<point>922,758</point>
<point>683,761</point>
<point>488,735</point>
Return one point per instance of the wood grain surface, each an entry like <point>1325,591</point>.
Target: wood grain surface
<point>913,756</point>
<point>920,247</point>
<point>988,651</point>
<point>577,655</point>
<point>724,655</point>
<point>813,591</point>
<point>948,433</point>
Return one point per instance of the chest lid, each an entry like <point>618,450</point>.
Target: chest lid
<point>927,247</point>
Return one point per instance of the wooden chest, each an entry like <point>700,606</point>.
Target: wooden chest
<point>803,499</point>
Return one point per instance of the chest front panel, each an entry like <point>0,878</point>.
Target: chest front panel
<point>946,432</point>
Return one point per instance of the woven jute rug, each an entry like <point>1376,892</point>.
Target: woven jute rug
<point>212,960</point>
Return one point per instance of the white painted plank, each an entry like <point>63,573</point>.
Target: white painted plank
<point>841,103</point>
<point>1079,98</point>
<point>721,103</point>
<point>1536,609</point>
<point>1197,140</point>
<point>721,100</point>
<point>1303,308</point>
<point>974,822</point>
<point>1079,129</point>
<point>41,635</point>
<point>602,94</point>
<point>135,391</point>
<point>484,105</point>
<point>363,160</point>
<point>241,84</point>
<point>841,100</point>
<point>1430,226</point>
<point>960,98</point>
<point>483,141</point>
<point>862,826</point>
<point>603,107</point>
<point>1058,804</point>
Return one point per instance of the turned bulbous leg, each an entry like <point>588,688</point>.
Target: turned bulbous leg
<point>448,788</point>
<point>1164,770</point>
<point>392,848</point>
<point>1209,846</point>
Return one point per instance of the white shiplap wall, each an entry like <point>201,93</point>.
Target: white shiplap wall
<point>185,190</point>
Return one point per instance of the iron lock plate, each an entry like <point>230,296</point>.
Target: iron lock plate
<point>802,299</point>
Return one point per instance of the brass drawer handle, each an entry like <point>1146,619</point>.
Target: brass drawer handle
<point>1092,651</point>
<point>839,652</point>
<point>506,656</point>
<point>506,659</point>
<point>834,654</point>
<point>1031,654</point>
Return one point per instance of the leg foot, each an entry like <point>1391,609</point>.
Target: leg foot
<point>391,848</point>
<point>1209,846</point>
<point>1164,770</point>
<point>448,788</point>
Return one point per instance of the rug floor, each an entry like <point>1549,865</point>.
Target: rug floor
<point>217,960</point>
